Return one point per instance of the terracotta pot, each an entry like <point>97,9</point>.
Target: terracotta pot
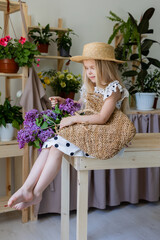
<point>8,66</point>
<point>43,48</point>
<point>69,95</point>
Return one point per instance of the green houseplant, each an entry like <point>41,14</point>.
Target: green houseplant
<point>20,52</point>
<point>41,37</point>
<point>65,83</point>
<point>64,42</point>
<point>10,114</point>
<point>135,36</point>
<point>10,118</point>
<point>46,77</point>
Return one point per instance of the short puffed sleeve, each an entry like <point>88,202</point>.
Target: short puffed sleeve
<point>112,87</point>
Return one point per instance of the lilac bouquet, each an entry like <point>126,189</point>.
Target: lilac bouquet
<point>39,126</point>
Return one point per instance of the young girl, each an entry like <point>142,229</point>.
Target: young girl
<point>101,82</point>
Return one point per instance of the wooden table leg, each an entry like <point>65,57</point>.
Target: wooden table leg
<point>82,205</point>
<point>65,199</point>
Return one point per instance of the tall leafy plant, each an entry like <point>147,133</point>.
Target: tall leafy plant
<point>128,31</point>
<point>134,34</point>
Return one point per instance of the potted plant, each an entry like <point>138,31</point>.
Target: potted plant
<point>64,42</point>
<point>10,118</point>
<point>46,77</point>
<point>65,83</point>
<point>135,37</point>
<point>16,53</point>
<point>152,87</point>
<point>41,37</point>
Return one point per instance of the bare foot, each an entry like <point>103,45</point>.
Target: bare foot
<point>23,205</point>
<point>22,195</point>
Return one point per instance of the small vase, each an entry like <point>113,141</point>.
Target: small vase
<point>6,133</point>
<point>8,66</point>
<point>43,48</point>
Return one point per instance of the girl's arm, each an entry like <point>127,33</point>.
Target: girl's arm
<point>99,118</point>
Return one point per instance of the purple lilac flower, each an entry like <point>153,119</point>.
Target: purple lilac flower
<point>44,135</point>
<point>70,106</point>
<point>32,132</point>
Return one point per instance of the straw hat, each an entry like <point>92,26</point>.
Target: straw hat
<point>97,51</point>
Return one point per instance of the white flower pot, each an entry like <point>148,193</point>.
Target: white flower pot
<point>6,133</point>
<point>144,101</point>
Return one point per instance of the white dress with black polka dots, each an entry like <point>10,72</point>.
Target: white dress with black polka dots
<point>69,148</point>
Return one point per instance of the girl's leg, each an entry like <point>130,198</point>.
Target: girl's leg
<point>50,170</point>
<point>25,193</point>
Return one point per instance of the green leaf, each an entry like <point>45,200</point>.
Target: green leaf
<point>44,125</point>
<point>3,122</point>
<point>154,62</point>
<point>145,53</point>
<point>134,56</point>
<point>147,43</point>
<point>39,121</point>
<point>149,13</point>
<point>134,22</point>
<point>129,73</point>
<point>150,31</point>
<point>113,35</point>
<point>15,124</point>
<point>141,76</point>
<point>37,144</point>
<point>57,110</point>
<point>144,23</point>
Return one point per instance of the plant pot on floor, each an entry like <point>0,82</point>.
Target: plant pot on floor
<point>144,101</point>
<point>6,133</point>
<point>8,66</point>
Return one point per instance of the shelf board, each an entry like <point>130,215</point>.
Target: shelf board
<point>52,57</point>
<point>13,142</point>
<point>14,6</point>
<point>11,75</point>
<point>52,29</point>
<point>135,111</point>
<point>3,201</point>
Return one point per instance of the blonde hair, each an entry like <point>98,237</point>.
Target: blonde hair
<point>107,72</point>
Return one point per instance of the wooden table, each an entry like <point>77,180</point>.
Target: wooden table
<point>143,152</point>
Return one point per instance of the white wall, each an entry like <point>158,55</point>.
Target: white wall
<point>88,19</point>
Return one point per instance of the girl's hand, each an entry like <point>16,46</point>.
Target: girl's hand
<point>55,100</point>
<point>67,121</point>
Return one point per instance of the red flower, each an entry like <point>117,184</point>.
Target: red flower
<point>22,40</point>
<point>7,38</point>
<point>3,42</point>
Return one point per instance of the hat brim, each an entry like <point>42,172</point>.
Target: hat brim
<point>80,59</point>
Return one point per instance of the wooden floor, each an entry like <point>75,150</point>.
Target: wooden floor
<point>126,222</point>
